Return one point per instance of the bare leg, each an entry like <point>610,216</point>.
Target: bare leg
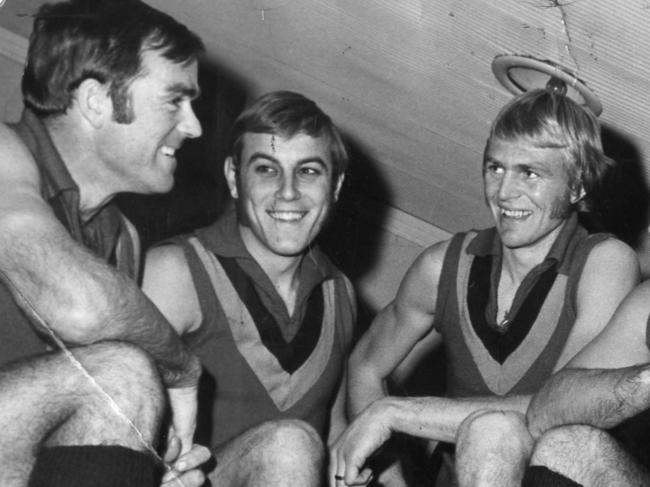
<point>588,456</point>
<point>273,454</point>
<point>492,448</point>
<point>48,401</point>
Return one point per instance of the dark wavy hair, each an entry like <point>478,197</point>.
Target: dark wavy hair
<point>101,39</point>
<point>286,114</point>
<point>546,118</point>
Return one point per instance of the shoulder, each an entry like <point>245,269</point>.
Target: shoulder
<point>166,271</point>
<point>422,277</point>
<point>166,258</point>
<point>20,183</point>
<point>16,162</point>
<point>613,255</point>
<point>610,245</point>
<point>611,270</point>
<point>431,259</point>
<point>168,283</point>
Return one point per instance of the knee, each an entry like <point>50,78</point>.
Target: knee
<point>129,376</point>
<point>293,441</point>
<point>498,428</point>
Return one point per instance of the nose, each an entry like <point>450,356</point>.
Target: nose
<point>288,189</point>
<point>508,186</point>
<point>189,124</point>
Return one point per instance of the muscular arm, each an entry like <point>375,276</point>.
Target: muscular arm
<point>435,418</point>
<point>168,283</point>
<point>610,273</point>
<point>395,331</point>
<point>82,299</point>
<point>608,381</point>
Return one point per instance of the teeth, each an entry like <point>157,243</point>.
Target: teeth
<point>168,151</point>
<point>287,216</point>
<point>515,213</point>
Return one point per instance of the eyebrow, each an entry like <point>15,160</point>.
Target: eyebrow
<point>263,155</point>
<point>533,165</point>
<point>190,91</point>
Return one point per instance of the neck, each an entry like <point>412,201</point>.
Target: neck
<point>518,262</point>
<point>283,271</point>
<point>75,149</point>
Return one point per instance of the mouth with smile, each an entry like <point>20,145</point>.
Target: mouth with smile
<point>286,216</point>
<point>514,214</point>
<point>168,151</point>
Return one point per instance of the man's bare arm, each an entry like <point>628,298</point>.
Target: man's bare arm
<point>79,297</point>
<point>167,281</point>
<point>608,381</point>
<point>436,418</point>
<point>338,416</point>
<point>610,273</point>
<point>395,331</point>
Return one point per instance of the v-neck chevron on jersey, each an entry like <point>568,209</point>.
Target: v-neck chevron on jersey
<point>479,361</point>
<point>249,377</point>
<point>290,354</point>
<point>500,343</point>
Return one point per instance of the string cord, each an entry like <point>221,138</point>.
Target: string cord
<point>31,309</point>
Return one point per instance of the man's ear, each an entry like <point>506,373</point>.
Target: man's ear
<point>230,171</point>
<point>94,102</point>
<point>577,195</point>
<point>338,186</point>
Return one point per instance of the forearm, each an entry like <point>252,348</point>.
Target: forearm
<point>597,397</point>
<point>438,418</point>
<point>136,320</point>
<point>69,292</point>
<point>365,387</point>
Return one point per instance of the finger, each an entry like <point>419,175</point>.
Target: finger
<point>365,476</point>
<point>194,478</point>
<point>332,467</point>
<point>194,458</point>
<point>356,475</point>
<point>173,449</point>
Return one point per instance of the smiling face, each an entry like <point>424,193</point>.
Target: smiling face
<point>141,155</point>
<point>527,190</point>
<point>284,192</point>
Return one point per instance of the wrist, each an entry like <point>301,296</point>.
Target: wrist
<point>185,376</point>
<point>388,411</point>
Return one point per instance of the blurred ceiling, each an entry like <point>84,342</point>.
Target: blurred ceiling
<point>410,82</point>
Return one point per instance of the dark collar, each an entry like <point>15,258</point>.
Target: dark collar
<point>223,238</point>
<point>57,177</point>
<point>487,242</point>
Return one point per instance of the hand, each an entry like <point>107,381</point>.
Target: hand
<point>348,457</point>
<point>184,468</point>
<point>184,404</point>
<point>392,476</point>
<point>188,376</point>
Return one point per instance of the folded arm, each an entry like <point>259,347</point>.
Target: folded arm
<point>80,298</point>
